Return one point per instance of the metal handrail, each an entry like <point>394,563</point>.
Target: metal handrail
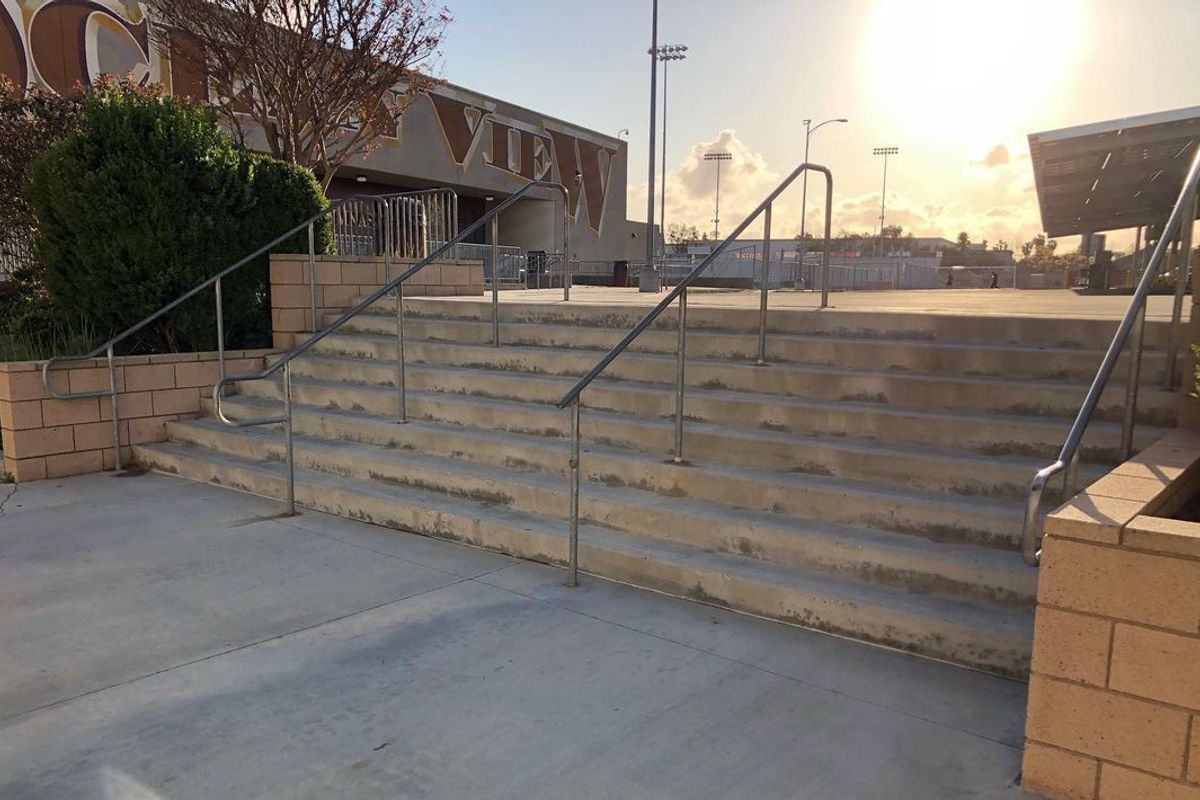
<point>109,347</point>
<point>396,284</point>
<point>1133,322</point>
<point>571,398</point>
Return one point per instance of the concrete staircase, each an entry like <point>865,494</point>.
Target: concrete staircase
<point>868,482</point>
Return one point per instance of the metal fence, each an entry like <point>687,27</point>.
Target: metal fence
<point>15,254</point>
<point>416,220</point>
<point>513,266</point>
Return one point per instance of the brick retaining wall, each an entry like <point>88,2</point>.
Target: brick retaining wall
<point>1114,694</point>
<point>342,280</point>
<point>48,438</point>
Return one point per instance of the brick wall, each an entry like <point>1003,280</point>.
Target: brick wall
<point>1114,694</point>
<point>343,280</point>
<point>48,438</point>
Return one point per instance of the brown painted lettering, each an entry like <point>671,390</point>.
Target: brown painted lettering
<point>58,41</point>
<point>459,122</point>
<point>595,179</point>
<point>567,159</point>
<point>12,52</point>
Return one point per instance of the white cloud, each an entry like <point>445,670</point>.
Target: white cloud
<point>992,198</point>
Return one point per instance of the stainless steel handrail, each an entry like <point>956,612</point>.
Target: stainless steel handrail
<point>108,348</point>
<point>679,292</point>
<point>1132,323</point>
<point>396,285</point>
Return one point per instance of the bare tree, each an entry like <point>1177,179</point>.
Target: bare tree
<point>320,80</point>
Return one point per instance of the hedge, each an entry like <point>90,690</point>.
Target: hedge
<point>148,199</point>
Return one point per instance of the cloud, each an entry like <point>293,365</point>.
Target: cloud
<point>996,157</point>
<point>991,199</point>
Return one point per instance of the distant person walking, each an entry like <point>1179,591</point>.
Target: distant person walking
<point>949,279</point>
<point>995,281</point>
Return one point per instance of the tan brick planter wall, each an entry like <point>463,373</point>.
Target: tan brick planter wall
<point>342,280</point>
<point>1114,694</point>
<point>48,438</point>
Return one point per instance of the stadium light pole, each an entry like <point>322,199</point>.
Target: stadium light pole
<point>717,157</point>
<point>808,132</point>
<point>885,152</point>
<point>666,54</point>
<point>653,103</point>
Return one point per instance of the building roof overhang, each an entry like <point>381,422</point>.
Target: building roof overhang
<point>1113,175</point>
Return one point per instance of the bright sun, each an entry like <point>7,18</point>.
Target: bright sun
<point>967,71</point>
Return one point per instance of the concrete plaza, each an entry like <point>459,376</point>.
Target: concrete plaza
<point>1055,303</point>
<point>166,639</point>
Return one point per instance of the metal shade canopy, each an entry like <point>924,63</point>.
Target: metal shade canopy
<point>1112,175</point>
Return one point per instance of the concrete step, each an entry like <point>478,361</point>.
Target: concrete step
<point>943,517</point>
<point>1075,332</point>
<point>977,635</point>
<point>1049,398</point>
<point>323,382</point>
<point>959,358</point>
<point>909,562</point>
<point>518,437</point>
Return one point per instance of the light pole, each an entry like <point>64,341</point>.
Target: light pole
<point>622,132</point>
<point>666,54</point>
<point>885,152</point>
<point>650,166</point>
<point>808,132</point>
<point>717,157</point>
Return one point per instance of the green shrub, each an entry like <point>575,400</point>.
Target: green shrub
<point>148,199</point>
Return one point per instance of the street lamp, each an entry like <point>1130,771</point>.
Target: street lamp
<point>622,132</point>
<point>717,157</point>
<point>650,165</point>
<point>885,152</point>
<point>808,132</point>
<point>666,53</point>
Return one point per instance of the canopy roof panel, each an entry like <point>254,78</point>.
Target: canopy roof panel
<point>1111,175</point>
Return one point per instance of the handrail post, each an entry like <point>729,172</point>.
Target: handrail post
<point>828,243</point>
<point>287,439</point>
<point>116,417</point>
<point>680,358</point>
<point>312,276</point>
<point>402,414</point>
<point>220,331</point>
<point>766,279</point>
<point>566,278</point>
<point>573,541</point>
<point>495,233</point>
<point>1132,383</point>
<point>401,389</point>
<point>1070,477</point>
<point>1182,263</point>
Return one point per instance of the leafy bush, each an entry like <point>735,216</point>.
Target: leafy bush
<point>148,199</point>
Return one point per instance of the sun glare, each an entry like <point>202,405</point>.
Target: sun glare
<point>967,70</point>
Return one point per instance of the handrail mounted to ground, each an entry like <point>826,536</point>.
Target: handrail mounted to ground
<point>571,398</point>
<point>396,285</point>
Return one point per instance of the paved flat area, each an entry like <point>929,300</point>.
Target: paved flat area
<point>165,639</point>
<point>999,302</point>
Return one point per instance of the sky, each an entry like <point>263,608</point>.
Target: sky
<point>956,85</point>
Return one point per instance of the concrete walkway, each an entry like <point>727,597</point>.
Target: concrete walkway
<point>163,639</point>
<point>1056,303</point>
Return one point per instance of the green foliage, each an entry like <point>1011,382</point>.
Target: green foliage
<point>148,199</point>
